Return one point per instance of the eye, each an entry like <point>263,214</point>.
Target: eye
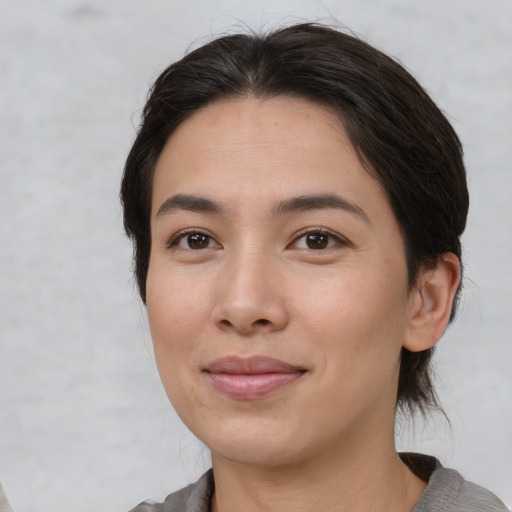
<point>318,240</point>
<point>194,241</point>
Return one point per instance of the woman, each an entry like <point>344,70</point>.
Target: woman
<point>296,203</point>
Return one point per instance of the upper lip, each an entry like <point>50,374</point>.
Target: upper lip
<point>253,365</point>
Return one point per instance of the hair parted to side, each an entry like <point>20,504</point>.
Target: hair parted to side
<point>400,135</point>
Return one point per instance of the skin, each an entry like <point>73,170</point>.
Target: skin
<point>256,285</point>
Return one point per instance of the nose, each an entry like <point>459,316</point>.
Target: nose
<point>250,296</point>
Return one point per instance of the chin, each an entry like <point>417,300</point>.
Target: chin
<point>255,454</point>
<point>259,444</point>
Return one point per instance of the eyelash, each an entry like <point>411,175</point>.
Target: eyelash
<point>336,238</point>
<point>175,240</point>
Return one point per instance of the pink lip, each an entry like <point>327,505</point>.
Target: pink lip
<point>251,378</point>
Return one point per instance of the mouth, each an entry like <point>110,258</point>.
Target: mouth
<point>251,378</point>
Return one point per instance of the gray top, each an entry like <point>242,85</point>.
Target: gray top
<point>446,491</point>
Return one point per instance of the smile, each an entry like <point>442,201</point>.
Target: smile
<point>251,378</point>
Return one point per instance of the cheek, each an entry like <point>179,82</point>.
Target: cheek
<point>350,297</point>
<point>175,320</point>
<point>175,309</point>
<point>174,323</point>
<point>358,322</point>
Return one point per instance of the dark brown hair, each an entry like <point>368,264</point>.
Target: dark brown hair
<point>400,135</point>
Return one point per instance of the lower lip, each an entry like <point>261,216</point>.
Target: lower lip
<point>251,386</point>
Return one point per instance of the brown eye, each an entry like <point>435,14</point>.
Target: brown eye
<point>198,241</point>
<point>317,240</point>
<point>195,241</point>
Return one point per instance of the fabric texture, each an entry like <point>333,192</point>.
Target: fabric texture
<point>446,491</point>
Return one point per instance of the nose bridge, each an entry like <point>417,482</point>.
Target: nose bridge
<point>250,298</point>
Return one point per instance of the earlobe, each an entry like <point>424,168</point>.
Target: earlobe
<point>431,303</point>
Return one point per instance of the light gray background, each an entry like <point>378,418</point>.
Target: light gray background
<point>84,424</point>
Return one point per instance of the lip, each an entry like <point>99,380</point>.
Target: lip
<point>251,378</point>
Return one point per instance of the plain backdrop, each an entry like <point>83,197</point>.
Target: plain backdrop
<point>84,423</point>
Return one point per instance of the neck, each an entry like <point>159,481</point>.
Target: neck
<point>368,479</point>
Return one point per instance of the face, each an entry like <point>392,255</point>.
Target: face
<point>277,287</point>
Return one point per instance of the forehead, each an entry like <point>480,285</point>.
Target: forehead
<point>263,150</point>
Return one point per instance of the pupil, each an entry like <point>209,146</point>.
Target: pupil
<point>197,241</point>
<point>317,241</point>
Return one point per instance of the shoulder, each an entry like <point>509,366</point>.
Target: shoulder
<point>448,491</point>
<point>195,497</point>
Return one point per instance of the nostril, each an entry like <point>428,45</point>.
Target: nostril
<point>262,321</point>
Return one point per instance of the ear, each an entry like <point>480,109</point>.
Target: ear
<point>431,303</point>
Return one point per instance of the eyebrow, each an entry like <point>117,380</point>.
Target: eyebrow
<point>318,202</point>
<point>295,204</point>
<point>187,202</point>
